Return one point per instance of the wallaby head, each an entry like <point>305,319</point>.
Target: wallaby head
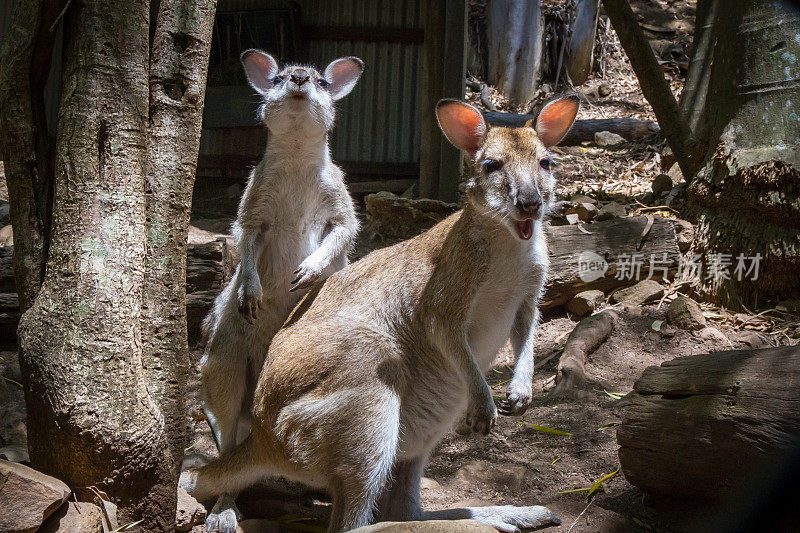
<point>299,97</point>
<point>510,174</point>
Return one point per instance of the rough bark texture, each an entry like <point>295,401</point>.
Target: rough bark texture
<point>746,198</point>
<point>177,90</point>
<point>24,142</point>
<point>581,41</point>
<point>516,38</point>
<point>91,419</point>
<point>701,426</point>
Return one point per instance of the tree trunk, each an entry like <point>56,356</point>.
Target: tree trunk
<point>581,41</point>
<point>704,426</point>
<point>515,41</point>
<point>746,198</point>
<point>103,343</point>
<point>177,90</point>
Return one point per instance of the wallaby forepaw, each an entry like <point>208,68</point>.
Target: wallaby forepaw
<point>249,300</point>
<point>306,275</point>
<point>482,416</point>
<point>224,517</point>
<point>518,399</point>
<point>512,519</point>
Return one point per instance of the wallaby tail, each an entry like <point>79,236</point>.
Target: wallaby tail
<point>231,472</point>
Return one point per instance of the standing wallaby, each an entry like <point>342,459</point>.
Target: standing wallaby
<point>374,366</point>
<point>295,225</point>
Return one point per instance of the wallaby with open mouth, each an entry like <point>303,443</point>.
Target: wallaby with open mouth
<point>375,365</point>
<point>295,226</point>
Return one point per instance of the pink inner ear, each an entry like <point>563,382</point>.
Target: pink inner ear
<point>260,69</point>
<point>462,124</point>
<point>556,119</point>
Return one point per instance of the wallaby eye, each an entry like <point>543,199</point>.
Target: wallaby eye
<point>276,80</point>
<point>491,165</point>
<point>323,83</point>
<point>547,163</point>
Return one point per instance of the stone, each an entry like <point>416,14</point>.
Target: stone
<point>684,233</point>
<point>189,512</point>
<point>16,453</point>
<point>496,476</point>
<point>427,483</point>
<point>6,236</point>
<point>201,236</point>
<point>582,199</point>
<point>611,210</point>
<point>643,292</point>
<point>72,517</point>
<point>684,313</point>
<point>603,90</point>
<point>608,139</point>
<point>258,525</point>
<point>675,173</point>
<point>752,340</point>
<point>585,211</point>
<point>392,217</point>
<point>711,334</point>
<point>661,185</point>
<point>586,302</point>
<point>33,496</point>
<point>428,526</point>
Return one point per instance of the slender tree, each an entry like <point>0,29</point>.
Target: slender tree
<point>100,218</point>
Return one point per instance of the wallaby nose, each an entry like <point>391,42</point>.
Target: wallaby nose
<point>529,203</point>
<point>300,76</point>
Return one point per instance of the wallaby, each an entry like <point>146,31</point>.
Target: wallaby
<point>374,366</point>
<point>295,225</point>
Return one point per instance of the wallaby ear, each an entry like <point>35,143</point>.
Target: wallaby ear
<point>342,75</point>
<point>556,118</point>
<point>260,69</point>
<point>462,124</point>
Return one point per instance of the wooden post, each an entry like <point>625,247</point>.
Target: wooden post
<point>455,71</point>
<point>430,137</point>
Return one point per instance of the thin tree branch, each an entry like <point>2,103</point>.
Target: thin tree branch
<point>654,86</point>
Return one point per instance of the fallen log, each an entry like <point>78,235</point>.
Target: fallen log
<point>584,339</point>
<point>632,129</point>
<point>699,427</point>
<point>208,267</point>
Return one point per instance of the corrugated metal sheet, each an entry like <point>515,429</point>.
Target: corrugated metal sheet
<point>379,121</point>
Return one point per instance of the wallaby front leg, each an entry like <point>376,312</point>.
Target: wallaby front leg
<point>250,292</point>
<point>335,243</point>
<point>520,390</point>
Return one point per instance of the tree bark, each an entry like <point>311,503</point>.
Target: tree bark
<point>702,426</point>
<point>178,68</point>
<point>515,41</point>
<point>581,41</point>
<point>746,198</point>
<point>26,147</point>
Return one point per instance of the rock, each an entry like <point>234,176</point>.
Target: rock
<point>496,476</point>
<point>684,232</point>
<point>586,302</point>
<point>684,313</point>
<point>643,292</point>
<point>427,483</point>
<point>201,236</point>
<point>583,199</point>
<point>603,90</point>
<point>667,158</point>
<point>428,526</point>
<point>710,334</point>
<point>661,185</point>
<point>608,139</point>
<point>392,217</point>
<point>16,453</point>
<point>752,340</point>
<point>585,211</point>
<point>189,512</point>
<point>32,495</point>
<point>81,517</point>
<point>6,236</point>
<point>611,210</point>
<point>675,174</point>
<point>257,526</point>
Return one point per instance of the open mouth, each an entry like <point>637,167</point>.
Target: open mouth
<point>524,228</point>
